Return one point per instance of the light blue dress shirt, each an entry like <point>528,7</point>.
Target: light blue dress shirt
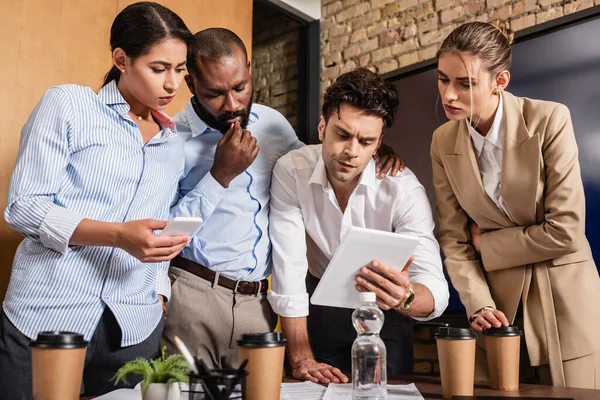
<point>234,238</point>
<point>82,156</point>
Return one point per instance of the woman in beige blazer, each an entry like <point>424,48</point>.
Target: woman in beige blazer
<point>510,206</point>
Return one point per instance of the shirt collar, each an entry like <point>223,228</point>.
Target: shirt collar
<point>319,174</point>
<point>198,126</point>
<point>495,135</point>
<point>111,96</point>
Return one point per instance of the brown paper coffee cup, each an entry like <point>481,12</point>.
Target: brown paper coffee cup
<point>57,360</point>
<point>456,354</point>
<point>265,353</point>
<point>503,347</point>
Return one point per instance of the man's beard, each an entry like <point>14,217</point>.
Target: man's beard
<point>220,122</point>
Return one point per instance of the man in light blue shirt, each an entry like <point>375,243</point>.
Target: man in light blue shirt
<point>219,281</point>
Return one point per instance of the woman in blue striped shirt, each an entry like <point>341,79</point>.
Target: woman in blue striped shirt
<point>94,177</point>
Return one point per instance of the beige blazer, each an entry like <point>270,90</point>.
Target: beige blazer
<point>542,258</point>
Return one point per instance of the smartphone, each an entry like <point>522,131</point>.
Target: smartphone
<point>182,226</point>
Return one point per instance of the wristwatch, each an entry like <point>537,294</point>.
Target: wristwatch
<point>476,313</point>
<point>407,300</point>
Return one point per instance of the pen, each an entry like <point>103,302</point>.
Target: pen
<point>186,354</point>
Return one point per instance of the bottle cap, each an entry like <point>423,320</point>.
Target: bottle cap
<point>367,297</point>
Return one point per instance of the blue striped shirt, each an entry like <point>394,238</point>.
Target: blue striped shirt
<point>234,238</point>
<point>82,156</point>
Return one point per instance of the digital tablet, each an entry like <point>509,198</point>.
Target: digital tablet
<point>359,247</point>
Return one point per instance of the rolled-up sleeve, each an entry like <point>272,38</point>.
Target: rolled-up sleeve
<point>39,171</point>
<point>414,217</point>
<point>288,296</point>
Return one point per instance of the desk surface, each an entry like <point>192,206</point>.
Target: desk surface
<point>430,388</point>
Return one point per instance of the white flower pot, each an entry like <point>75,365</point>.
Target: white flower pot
<point>162,391</point>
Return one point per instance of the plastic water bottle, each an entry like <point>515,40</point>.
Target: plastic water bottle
<point>369,374</point>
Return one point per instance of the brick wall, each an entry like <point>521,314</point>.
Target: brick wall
<point>274,60</point>
<point>385,35</point>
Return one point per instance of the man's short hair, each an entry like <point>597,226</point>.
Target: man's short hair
<point>364,90</point>
<point>213,43</point>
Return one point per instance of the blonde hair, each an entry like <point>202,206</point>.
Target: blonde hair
<point>490,42</point>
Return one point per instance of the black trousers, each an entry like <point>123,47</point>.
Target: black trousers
<point>104,356</point>
<point>331,335</point>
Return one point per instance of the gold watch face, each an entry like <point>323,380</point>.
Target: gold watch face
<point>408,301</point>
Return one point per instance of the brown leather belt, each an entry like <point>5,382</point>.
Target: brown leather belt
<point>242,287</point>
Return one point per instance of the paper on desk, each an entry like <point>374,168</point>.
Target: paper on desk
<point>394,392</point>
<point>301,391</point>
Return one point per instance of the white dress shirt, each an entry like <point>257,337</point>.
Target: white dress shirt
<point>307,225</point>
<point>488,150</point>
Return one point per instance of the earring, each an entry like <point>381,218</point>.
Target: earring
<point>123,70</point>
<point>495,93</point>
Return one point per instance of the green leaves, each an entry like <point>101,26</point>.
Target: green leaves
<point>162,370</point>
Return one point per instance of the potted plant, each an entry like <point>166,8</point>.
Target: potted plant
<point>161,377</point>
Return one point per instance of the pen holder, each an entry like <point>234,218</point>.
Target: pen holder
<point>217,384</point>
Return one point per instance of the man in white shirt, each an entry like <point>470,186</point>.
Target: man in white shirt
<point>319,192</point>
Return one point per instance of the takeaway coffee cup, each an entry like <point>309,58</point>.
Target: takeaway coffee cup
<point>456,354</point>
<point>264,352</point>
<point>502,347</point>
<point>57,360</point>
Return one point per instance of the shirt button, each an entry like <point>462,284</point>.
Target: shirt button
<point>116,258</point>
<point>105,297</point>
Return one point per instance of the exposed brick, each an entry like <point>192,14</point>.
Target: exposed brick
<point>349,66</point>
<point>338,43</point>
<point>388,38</point>
<point>475,7</point>
<point>386,66</point>
<point>331,73</point>
<point>452,14</point>
<point>548,15</point>
<point>380,3</point>
<point>358,35</point>
<point>489,4</point>
<point>367,19</point>
<point>381,54</point>
<point>369,45</point>
<point>376,29</point>
<point>404,5</point>
<point>332,59</point>
<point>364,60</point>
<point>410,31</point>
<point>332,8</point>
<point>523,6</point>
<point>390,10</point>
<point>325,2</point>
<point>578,5</point>
<point>430,24</point>
<point>404,47</point>
<point>523,22</point>
<point>337,30</point>
<point>443,4</point>
<point>352,51</point>
<point>423,367</point>
<point>352,12</point>
<point>545,4</point>
<point>428,52</point>
<point>395,23</point>
<point>502,13</point>
<point>435,37</point>
<point>348,3</point>
<point>408,59</point>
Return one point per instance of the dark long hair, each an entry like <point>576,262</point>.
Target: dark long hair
<point>139,26</point>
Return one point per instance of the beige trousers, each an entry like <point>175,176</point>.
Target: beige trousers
<point>210,320</point>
